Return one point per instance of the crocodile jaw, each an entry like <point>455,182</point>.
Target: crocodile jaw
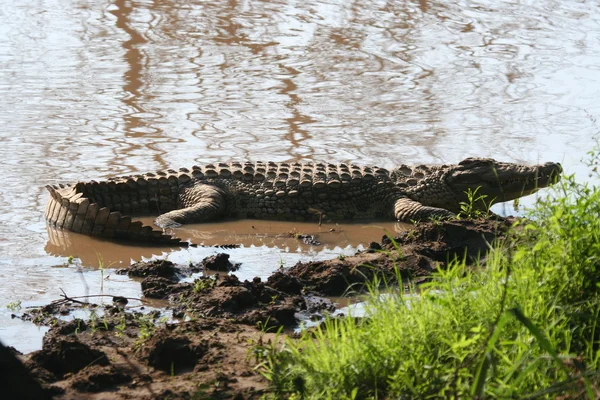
<point>501,181</point>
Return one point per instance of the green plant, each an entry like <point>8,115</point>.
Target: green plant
<point>265,354</point>
<point>204,283</point>
<point>93,321</point>
<point>105,322</point>
<point>102,269</point>
<point>436,220</point>
<point>411,235</point>
<point>476,205</point>
<point>72,261</point>
<point>263,326</point>
<point>78,329</point>
<point>14,306</point>
<point>121,326</point>
<point>146,327</point>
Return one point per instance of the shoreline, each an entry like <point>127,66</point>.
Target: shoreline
<point>208,338</point>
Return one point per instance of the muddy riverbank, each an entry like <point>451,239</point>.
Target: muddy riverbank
<point>210,333</point>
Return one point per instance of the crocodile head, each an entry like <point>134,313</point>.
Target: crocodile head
<point>446,186</point>
<point>499,181</point>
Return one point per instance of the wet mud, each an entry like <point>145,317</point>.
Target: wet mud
<point>203,343</point>
<point>413,255</point>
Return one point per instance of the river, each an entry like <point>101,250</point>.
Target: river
<point>99,88</point>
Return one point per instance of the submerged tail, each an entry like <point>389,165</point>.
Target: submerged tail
<point>69,209</point>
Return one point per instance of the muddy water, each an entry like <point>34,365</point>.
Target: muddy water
<point>242,236</point>
<point>92,89</point>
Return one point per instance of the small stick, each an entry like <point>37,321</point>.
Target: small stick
<point>67,298</point>
<point>94,295</point>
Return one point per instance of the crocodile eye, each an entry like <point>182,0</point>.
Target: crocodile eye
<point>468,161</point>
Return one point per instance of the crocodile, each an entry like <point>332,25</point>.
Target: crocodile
<point>286,191</point>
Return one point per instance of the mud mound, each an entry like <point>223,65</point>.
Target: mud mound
<point>413,255</point>
<point>246,302</point>
<point>162,268</point>
<point>16,380</point>
<point>220,262</point>
<point>66,354</point>
<point>97,378</point>
<point>285,283</point>
<point>156,287</point>
<point>444,241</point>
<point>171,352</point>
<point>336,277</point>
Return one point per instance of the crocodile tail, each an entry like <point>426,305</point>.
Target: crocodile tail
<point>69,209</point>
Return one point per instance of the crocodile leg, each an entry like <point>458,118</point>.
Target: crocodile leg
<point>207,203</point>
<point>407,210</point>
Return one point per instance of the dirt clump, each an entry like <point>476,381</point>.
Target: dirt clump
<point>285,283</point>
<point>250,302</point>
<point>62,354</point>
<point>156,287</point>
<point>96,378</point>
<point>160,268</point>
<point>168,351</point>
<point>220,262</point>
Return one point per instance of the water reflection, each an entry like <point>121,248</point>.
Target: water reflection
<point>134,120</point>
<point>274,235</point>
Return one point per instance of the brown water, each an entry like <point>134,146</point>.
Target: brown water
<point>93,89</point>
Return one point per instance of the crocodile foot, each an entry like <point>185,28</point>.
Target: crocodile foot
<point>165,222</point>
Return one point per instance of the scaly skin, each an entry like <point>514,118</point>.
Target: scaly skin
<point>288,191</point>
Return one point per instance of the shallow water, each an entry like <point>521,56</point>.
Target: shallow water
<point>93,89</point>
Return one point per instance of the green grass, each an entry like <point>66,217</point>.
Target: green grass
<point>524,326</point>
